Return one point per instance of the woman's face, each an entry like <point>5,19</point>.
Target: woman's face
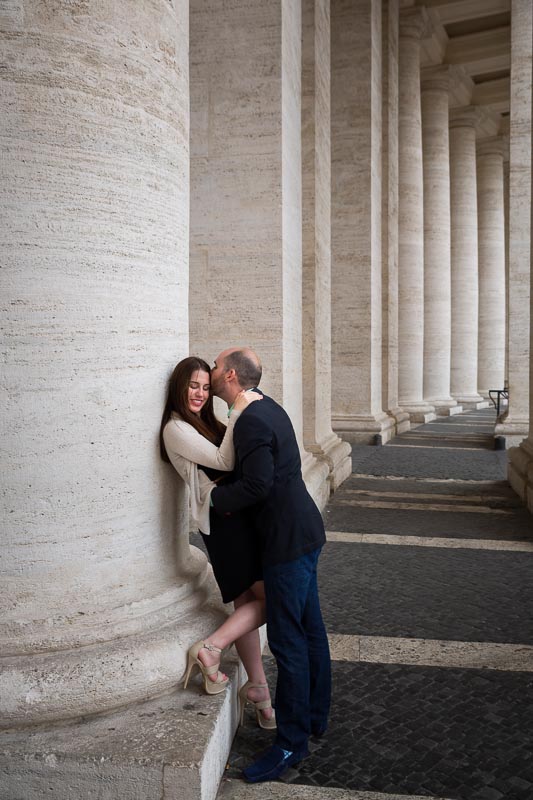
<point>198,392</point>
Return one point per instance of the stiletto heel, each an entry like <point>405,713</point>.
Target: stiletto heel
<point>266,724</point>
<point>211,687</point>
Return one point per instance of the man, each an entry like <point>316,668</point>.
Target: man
<point>269,483</point>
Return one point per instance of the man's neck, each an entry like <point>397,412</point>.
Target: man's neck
<point>231,395</point>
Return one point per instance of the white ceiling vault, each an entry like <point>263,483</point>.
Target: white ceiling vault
<point>474,38</point>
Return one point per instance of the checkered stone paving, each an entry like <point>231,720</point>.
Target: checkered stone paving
<point>461,730</point>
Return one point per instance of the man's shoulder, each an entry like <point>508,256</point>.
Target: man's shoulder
<point>265,413</point>
<point>264,408</point>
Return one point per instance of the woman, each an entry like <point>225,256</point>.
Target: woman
<point>201,450</point>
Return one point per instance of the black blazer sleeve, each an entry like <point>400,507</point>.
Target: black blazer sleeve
<point>253,442</point>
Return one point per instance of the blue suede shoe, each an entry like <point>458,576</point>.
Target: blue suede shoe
<point>272,764</point>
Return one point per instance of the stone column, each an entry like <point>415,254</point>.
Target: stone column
<point>464,257</point>
<point>506,216</point>
<point>99,592</point>
<point>413,25</point>
<point>319,438</point>
<point>389,216</point>
<point>520,470</point>
<point>356,221</point>
<point>491,265</point>
<point>515,426</point>
<point>246,195</point>
<point>437,280</point>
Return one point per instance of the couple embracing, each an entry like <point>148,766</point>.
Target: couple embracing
<point>263,533</point>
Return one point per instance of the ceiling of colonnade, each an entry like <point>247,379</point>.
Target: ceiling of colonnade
<point>474,36</point>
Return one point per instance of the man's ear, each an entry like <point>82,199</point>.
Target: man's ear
<point>230,375</point>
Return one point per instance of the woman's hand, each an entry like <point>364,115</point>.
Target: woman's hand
<point>244,398</point>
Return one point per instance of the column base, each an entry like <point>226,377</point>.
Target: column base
<point>316,476</point>
<point>363,428</point>
<point>520,471</point>
<point>401,420</point>
<point>63,684</point>
<point>514,431</point>
<point>472,402</point>
<point>448,411</point>
<point>419,413</point>
<point>445,407</point>
<point>337,454</point>
<point>175,746</point>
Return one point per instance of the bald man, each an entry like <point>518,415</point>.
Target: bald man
<point>290,534</point>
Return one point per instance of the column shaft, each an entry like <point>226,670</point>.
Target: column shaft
<point>389,216</point>
<point>464,256</point>
<point>520,470</point>
<point>411,220</point>
<point>516,425</point>
<point>246,194</point>
<point>437,280</point>
<point>491,260</point>
<point>95,586</point>
<point>319,438</point>
<point>356,220</point>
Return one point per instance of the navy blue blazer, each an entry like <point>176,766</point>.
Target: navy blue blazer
<point>268,482</point>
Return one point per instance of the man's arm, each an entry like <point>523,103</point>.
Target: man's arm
<point>254,450</point>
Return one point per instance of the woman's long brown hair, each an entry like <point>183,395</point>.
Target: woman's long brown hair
<point>177,401</point>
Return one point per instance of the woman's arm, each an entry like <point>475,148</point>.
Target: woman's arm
<point>183,440</point>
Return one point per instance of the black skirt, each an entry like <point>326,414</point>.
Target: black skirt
<point>234,553</point>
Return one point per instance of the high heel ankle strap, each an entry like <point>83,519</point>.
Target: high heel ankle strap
<point>210,647</point>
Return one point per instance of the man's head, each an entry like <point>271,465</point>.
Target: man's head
<point>235,369</point>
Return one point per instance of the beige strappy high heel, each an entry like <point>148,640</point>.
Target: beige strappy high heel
<point>266,724</point>
<point>211,687</point>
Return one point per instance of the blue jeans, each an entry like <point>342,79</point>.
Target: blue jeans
<point>298,640</point>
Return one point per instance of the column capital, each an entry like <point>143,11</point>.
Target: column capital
<point>461,87</point>
<point>414,23</point>
<point>490,145</point>
<point>465,117</point>
<point>436,78</point>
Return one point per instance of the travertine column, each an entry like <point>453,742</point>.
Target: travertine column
<point>319,438</point>
<point>389,216</point>
<point>246,194</point>
<point>98,590</point>
<point>437,285</point>
<point>464,256</point>
<point>491,265</point>
<point>520,469</point>
<point>356,220</point>
<point>506,217</point>
<point>411,221</point>
<point>516,424</point>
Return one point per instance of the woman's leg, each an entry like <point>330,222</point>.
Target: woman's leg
<point>241,628</point>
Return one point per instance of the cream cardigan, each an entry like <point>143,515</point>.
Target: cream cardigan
<point>187,449</point>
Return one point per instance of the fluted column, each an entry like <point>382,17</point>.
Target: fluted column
<point>319,438</point>
<point>413,25</point>
<point>99,594</point>
<point>437,278</point>
<point>464,256</point>
<point>515,425</point>
<point>356,221</point>
<point>491,265</point>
